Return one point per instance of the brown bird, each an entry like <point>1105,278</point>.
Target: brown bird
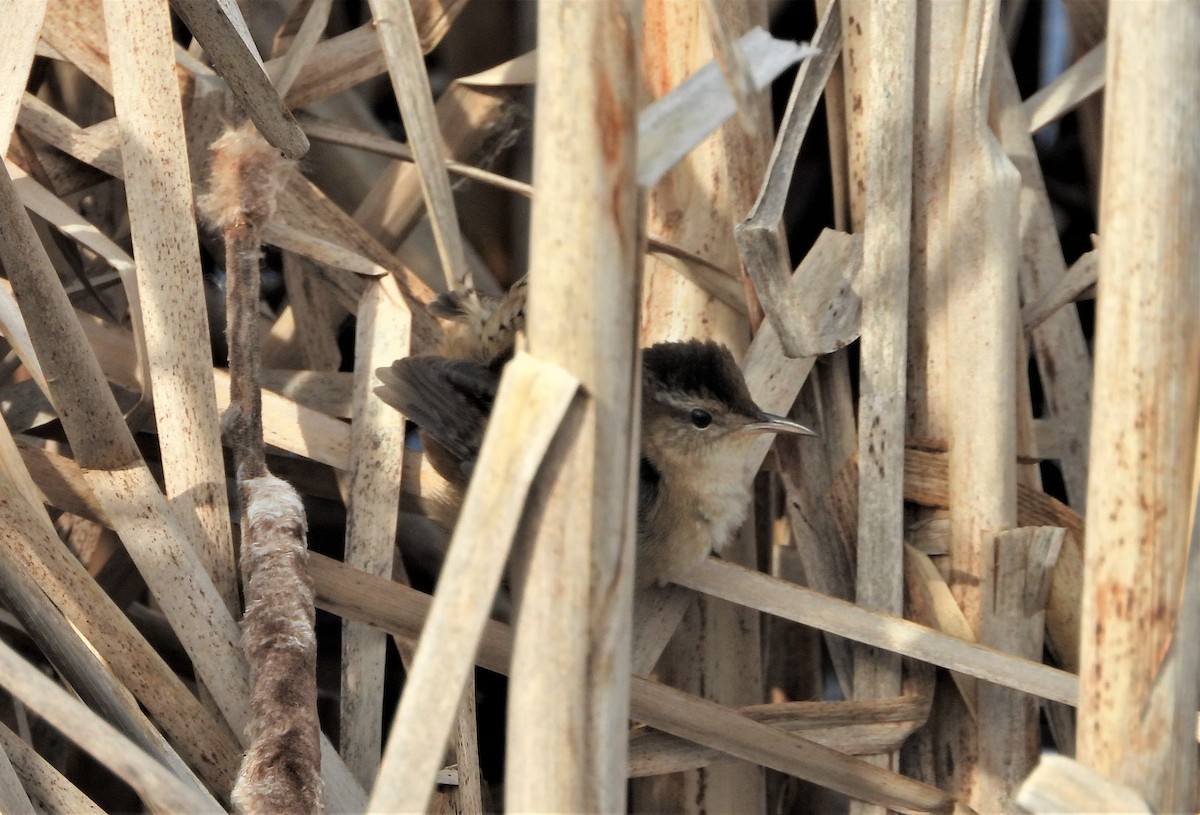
<point>698,423</point>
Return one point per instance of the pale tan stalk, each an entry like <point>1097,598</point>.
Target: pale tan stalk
<point>532,402</point>
<point>13,797</point>
<point>98,145</point>
<point>569,696</point>
<point>796,603</point>
<point>979,266</point>
<point>939,28</point>
<point>849,727</point>
<point>887,122</point>
<point>696,205</point>
<point>1078,283</point>
<point>168,300</point>
<point>1016,583</point>
<point>75,29</point>
<point>1060,784</point>
<point>1058,342</point>
<point>1138,661</point>
<point>377,453</point>
<point>46,785</point>
<point>20,28</point>
<point>222,32</point>
<point>397,29</point>
<point>284,71</point>
<point>929,391</point>
<point>154,782</point>
<point>1074,85</point>
<point>982,316</point>
<point>322,251</point>
<point>401,611</point>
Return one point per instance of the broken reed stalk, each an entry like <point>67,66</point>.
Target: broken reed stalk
<point>281,770</point>
<point>569,695</point>
<point>1016,583</point>
<point>1058,343</point>
<point>760,237</point>
<point>1139,656</point>
<point>1060,784</point>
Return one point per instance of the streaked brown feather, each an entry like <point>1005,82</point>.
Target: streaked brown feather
<point>449,399</point>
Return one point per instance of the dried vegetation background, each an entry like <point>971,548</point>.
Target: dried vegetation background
<point>985,555</point>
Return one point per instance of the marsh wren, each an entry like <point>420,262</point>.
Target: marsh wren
<point>698,423</point>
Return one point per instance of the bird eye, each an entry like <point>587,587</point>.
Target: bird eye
<point>701,418</point>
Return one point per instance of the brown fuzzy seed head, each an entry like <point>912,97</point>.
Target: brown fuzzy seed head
<point>245,176</point>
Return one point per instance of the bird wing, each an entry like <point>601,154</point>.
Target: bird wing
<point>449,399</point>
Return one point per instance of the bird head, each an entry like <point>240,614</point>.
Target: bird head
<point>696,408</point>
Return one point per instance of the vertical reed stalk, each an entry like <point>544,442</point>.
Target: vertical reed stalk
<point>1139,652</point>
<point>696,205</point>
<point>568,706</point>
<point>884,336</point>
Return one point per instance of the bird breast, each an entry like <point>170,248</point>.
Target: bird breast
<point>720,506</point>
<point>712,488</point>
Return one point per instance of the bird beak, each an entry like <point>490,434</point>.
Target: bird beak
<point>770,423</point>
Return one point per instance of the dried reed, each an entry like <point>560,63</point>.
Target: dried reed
<point>937,334</point>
